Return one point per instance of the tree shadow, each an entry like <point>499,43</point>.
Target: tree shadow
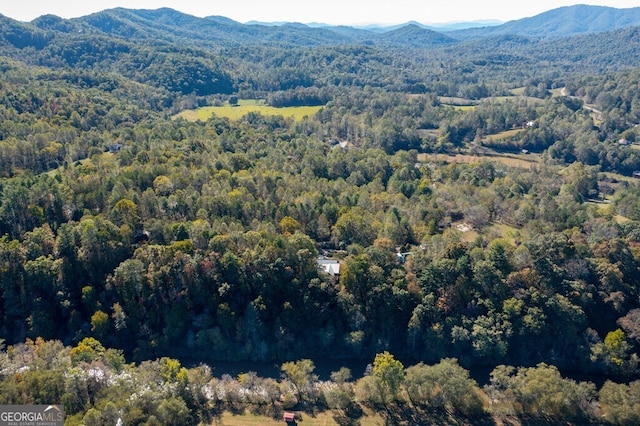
<point>403,414</point>
<point>349,416</point>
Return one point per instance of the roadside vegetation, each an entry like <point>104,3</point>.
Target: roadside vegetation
<point>97,386</point>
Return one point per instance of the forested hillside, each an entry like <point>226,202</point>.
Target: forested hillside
<point>478,195</point>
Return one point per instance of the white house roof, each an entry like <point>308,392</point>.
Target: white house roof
<point>330,266</point>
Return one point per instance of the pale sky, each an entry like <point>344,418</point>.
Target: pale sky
<point>335,12</point>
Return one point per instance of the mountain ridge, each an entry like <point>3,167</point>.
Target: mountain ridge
<point>169,25</point>
<point>187,54</point>
<point>561,22</point>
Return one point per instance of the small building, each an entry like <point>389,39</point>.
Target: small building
<point>116,147</point>
<point>330,266</point>
<point>289,417</point>
<point>335,143</point>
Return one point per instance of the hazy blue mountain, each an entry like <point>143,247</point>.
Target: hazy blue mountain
<point>416,36</point>
<point>21,35</point>
<point>562,22</point>
<point>443,27</point>
<point>453,26</point>
<point>170,27</point>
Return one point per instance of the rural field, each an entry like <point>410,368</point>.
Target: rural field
<point>244,107</point>
<point>506,159</point>
<point>321,419</point>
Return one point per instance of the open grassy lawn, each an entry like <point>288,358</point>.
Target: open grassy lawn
<point>450,100</point>
<point>460,104</point>
<point>557,92</point>
<point>495,230</point>
<point>606,205</point>
<point>469,236</point>
<point>519,91</point>
<point>322,419</point>
<point>530,99</point>
<point>510,160</point>
<point>244,107</point>
<point>502,135</point>
<point>502,230</point>
<point>620,177</point>
<point>621,219</point>
<point>463,104</point>
<point>464,107</point>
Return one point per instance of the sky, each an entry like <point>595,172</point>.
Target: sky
<point>334,12</point>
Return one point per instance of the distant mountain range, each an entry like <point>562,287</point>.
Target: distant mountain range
<point>174,52</point>
<point>448,26</point>
<point>172,26</point>
<point>561,22</point>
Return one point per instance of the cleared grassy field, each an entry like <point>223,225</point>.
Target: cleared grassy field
<point>557,92</point>
<point>495,230</point>
<point>463,104</point>
<point>450,100</point>
<point>507,160</point>
<point>243,108</point>
<point>502,230</point>
<point>516,98</point>
<point>322,419</point>
<point>620,177</point>
<point>502,135</point>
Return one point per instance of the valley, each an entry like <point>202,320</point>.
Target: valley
<point>179,193</point>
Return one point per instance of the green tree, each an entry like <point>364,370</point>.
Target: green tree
<point>289,225</point>
<point>89,349</point>
<point>616,354</point>
<point>621,402</point>
<point>125,212</point>
<point>354,226</point>
<point>444,386</point>
<point>388,373</point>
<point>300,375</point>
<point>541,391</point>
<point>100,324</point>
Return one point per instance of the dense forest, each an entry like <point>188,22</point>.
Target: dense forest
<point>478,194</point>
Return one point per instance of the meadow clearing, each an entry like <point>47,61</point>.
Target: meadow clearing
<point>244,107</point>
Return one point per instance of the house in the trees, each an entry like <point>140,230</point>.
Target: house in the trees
<point>116,147</point>
<point>330,266</point>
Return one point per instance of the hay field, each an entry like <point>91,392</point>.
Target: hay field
<point>245,107</point>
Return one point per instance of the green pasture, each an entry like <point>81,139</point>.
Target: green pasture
<point>557,92</point>
<point>502,135</point>
<point>321,419</point>
<point>528,161</point>
<point>463,104</point>
<point>500,99</point>
<point>244,107</point>
<point>464,107</point>
<point>620,178</point>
